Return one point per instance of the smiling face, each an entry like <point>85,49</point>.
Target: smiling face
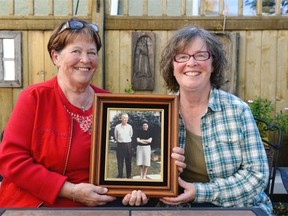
<point>77,62</point>
<point>194,75</point>
<point>145,126</point>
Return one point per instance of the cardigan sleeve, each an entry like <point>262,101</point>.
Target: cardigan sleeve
<point>18,157</point>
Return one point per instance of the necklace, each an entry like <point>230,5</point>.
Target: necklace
<point>86,105</point>
<point>83,107</point>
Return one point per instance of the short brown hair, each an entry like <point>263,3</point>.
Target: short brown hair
<point>58,41</point>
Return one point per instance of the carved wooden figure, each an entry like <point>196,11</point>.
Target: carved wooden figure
<point>143,46</point>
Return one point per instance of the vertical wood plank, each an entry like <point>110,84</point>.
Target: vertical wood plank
<point>164,7</point>
<point>222,10</point>
<point>253,64</point>
<point>125,61</point>
<point>49,68</point>
<point>241,67</point>
<point>31,8</point>
<point>36,56</point>
<point>70,8</point>
<point>277,7</point>
<point>145,7</point>
<point>126,8</point>
<point>231,45</point>
<point>240,7</point>
<point>97,18</point>
<point>282,71</point>
<point>202,8</point>
<point>6,94</point>
<point>183,8</point>
<point>12,7</point>
<point>25,58</point>
<point>90,8</point>
<point>51,7</point>
<point>161,40</point>
<point>259,7</point>
<point>112,61</point>
<point>268,65</point>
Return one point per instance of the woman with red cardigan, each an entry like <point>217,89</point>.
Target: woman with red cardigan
<point>45,152</point>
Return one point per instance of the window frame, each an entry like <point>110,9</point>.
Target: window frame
<point>17,36</point>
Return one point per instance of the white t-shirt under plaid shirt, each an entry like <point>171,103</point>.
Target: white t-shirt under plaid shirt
<point>235,157</point>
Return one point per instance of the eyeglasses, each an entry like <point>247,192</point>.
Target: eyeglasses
<point>199,56</point>
<point>76,25</point>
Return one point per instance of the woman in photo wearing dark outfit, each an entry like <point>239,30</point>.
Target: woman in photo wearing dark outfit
<point>143,152</point>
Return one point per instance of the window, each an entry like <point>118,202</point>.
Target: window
<point>10,59</point>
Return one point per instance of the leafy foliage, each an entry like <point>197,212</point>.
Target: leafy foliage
<point>280,210</point>
<point>262,108</point>
<point>282,120</point>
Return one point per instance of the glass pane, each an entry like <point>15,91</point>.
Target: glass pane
<point>230,8</point>
<point>211,7</point>
<point>41,7</point>
<point>21,7</point>
<point>9,70</point>
<point>284,7</point>
<point>8,47</point>
<point>249,8</point>
<point>268,7</point>
<point>80,8</point>
<point>60,7</point>
<point>154,8</point>
<point>195,7</point>
<point>171,7</point>
<point>135,8</point>
<point>4,7</point>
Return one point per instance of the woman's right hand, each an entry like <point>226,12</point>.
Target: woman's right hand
<point>87,194</point>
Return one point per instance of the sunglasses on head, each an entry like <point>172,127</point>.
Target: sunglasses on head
<point>76,25</point>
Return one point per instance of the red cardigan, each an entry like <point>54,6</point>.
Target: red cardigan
<point>35,148</point>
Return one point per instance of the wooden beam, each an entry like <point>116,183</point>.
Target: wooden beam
<point>33,22</point>
<point>151,23</point>
<point>210,23</point>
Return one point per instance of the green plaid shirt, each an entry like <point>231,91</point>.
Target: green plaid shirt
<point>235,158</point>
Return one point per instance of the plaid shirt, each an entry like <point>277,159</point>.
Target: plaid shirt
<point>235,158</point>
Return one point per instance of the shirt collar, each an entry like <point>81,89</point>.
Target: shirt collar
<point>214,100</point>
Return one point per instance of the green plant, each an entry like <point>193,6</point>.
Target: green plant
<point>263,109</point>
<point>129,90</point>
<point>280,209</point>
<point>281,119</point>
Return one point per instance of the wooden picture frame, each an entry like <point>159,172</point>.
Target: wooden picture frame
<point>162,112</point>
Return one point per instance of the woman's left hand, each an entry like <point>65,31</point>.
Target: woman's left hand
<point>178,155</point>
<point>186,196</point>
<point>136,198</point>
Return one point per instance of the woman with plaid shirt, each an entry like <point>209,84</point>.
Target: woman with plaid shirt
<point>226,162</point>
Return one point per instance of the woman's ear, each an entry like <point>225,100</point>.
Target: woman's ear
<point>54,57</point>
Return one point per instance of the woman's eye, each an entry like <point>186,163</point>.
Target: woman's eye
<point>76,51</point>
<point>92,53</point>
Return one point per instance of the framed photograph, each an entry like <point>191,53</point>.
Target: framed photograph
<point>132,141</point>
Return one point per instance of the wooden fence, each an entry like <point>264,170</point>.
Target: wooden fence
<point>262,65</point>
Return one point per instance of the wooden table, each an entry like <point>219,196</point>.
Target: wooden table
<point>136,211</point>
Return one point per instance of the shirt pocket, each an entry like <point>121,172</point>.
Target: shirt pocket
<point>230,153</point>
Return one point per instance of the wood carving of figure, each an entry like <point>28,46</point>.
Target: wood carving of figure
<point>141,60</point>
